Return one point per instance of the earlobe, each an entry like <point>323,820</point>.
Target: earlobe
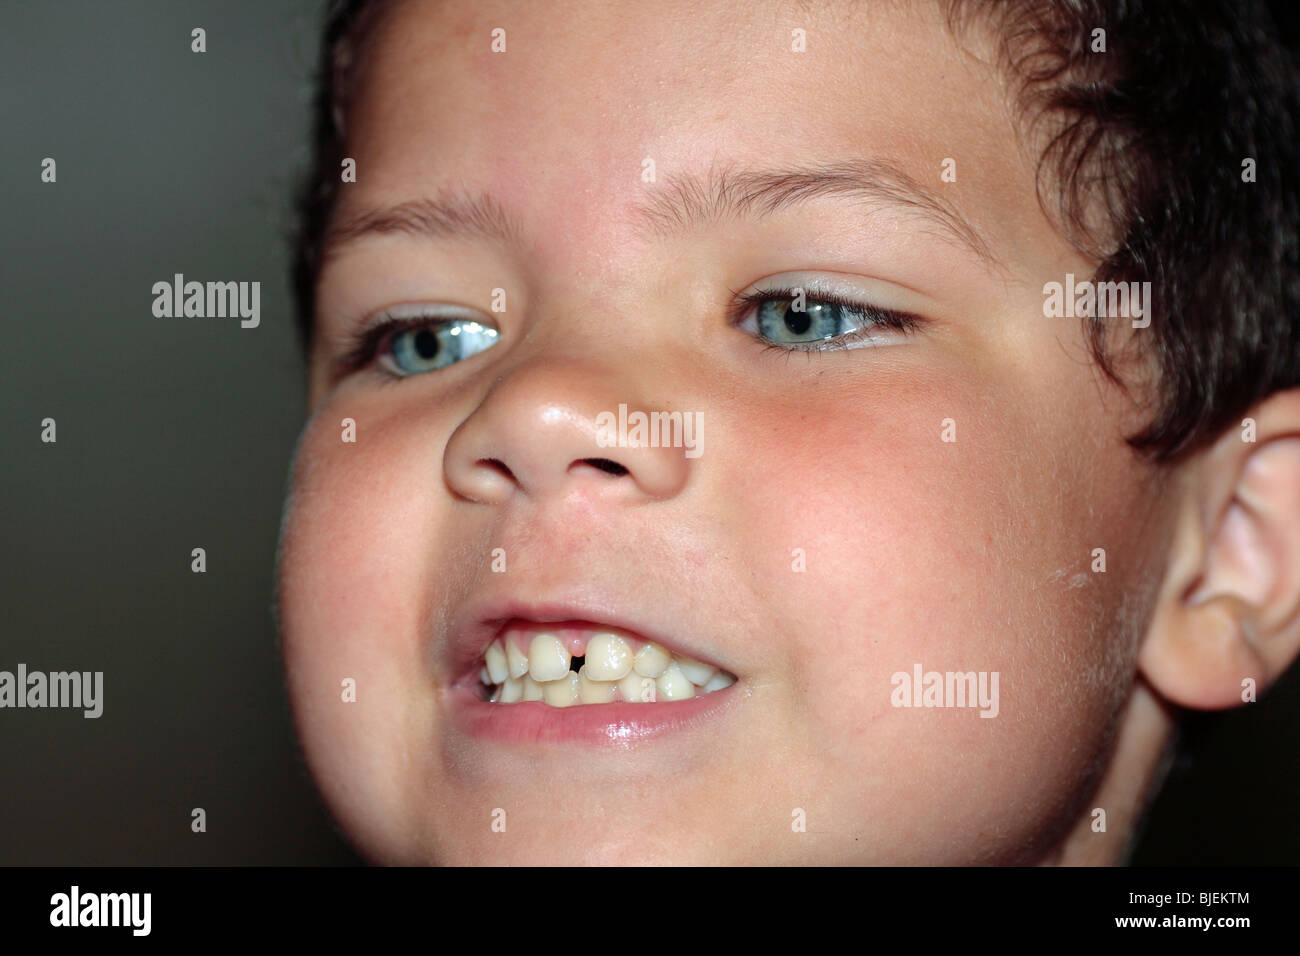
<point>1227,619</point>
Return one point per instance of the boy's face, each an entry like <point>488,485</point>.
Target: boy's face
<point>826,534</point>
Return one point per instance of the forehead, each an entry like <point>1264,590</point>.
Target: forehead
<point>559,128</point>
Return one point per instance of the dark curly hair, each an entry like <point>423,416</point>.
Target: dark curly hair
<point>1153,133</point>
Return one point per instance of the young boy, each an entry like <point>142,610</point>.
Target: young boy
<point>773,432</point>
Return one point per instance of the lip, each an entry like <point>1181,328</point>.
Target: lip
<point>617,724</point>
<point>532,722</point>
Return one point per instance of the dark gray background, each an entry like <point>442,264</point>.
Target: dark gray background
<point>175,434</point>
<point>172,434</point>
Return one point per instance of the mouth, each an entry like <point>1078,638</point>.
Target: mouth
<point>536,678</point>
<point>578,663</point>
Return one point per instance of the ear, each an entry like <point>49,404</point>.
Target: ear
<point>1229,606</point>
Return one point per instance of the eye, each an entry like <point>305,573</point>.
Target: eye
<point>412,340</point>
<point>810,320</point>
<point>437,345</point>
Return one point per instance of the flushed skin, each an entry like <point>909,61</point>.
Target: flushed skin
<point>973,554</point>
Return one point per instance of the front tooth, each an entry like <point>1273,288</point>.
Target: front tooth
<point>484,676</point>
<point>516,660</point>
<point>673,684</point>
<point>697,673</point>
<point>593,691</point>
<point>512,691</point>
<point>608,657</point>
<point>562,692</point>
<point>637,689</point>
<point>651,660</point>
<point>532,689</point>
<point>548,658</point>
<point>496,663</point>
<point>718,681</point>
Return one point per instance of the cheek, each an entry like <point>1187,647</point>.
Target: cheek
<point>355,599</point>
<point>969,555</point>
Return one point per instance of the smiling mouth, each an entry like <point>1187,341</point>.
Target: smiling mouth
<point>577,663</point>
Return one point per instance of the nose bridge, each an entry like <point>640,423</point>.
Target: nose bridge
<point>543,427</point>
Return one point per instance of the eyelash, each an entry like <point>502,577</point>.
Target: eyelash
<point>877,318</point>
<point>363,348</point>
<point>364,345</point>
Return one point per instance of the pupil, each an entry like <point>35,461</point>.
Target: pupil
<point>798,322</point>
<point>426,343</point>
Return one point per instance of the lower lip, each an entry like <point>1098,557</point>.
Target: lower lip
<point>617,724</point>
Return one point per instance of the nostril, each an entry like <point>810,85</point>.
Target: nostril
<point>497,465</point>
<point>604,464</point>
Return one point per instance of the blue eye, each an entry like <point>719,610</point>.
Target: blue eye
<point>435,345</point>
<point>410,340</point>
<point>826,321</point>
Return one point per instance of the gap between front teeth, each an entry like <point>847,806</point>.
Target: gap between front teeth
<point>610,671</point>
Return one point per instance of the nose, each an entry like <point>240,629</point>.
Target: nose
<point>545,428</point>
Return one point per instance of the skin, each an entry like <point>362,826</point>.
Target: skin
<point>974,554</point>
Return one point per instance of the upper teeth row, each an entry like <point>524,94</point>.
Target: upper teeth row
<point>610,671</point>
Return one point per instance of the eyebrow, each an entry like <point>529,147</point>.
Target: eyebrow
<point>452,214</point>
<point>689,202</point>
<point>683,203</point>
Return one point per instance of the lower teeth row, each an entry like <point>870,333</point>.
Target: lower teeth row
<point>651,675</point>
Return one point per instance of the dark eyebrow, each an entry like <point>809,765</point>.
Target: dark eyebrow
<point>689,202</point>
<point>684,202</point>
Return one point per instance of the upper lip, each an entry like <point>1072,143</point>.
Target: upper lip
<point>481,622</point>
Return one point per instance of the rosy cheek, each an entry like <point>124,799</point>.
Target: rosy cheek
<point>905,548</point>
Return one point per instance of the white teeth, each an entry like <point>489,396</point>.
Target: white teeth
<point>548,659</point>
<point>673,684</point>
<point>651,660</point>
<point>608,657</point>
<point>697,673</point>
<point>516,660</point>
<point>594,691</point>
<point>496,663</point>
<point>637,689</point>
<point>562,692</point>
<point>718,681</point>
<point>512,691</point>
<point>610,672</point>
<point>532,689</point>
